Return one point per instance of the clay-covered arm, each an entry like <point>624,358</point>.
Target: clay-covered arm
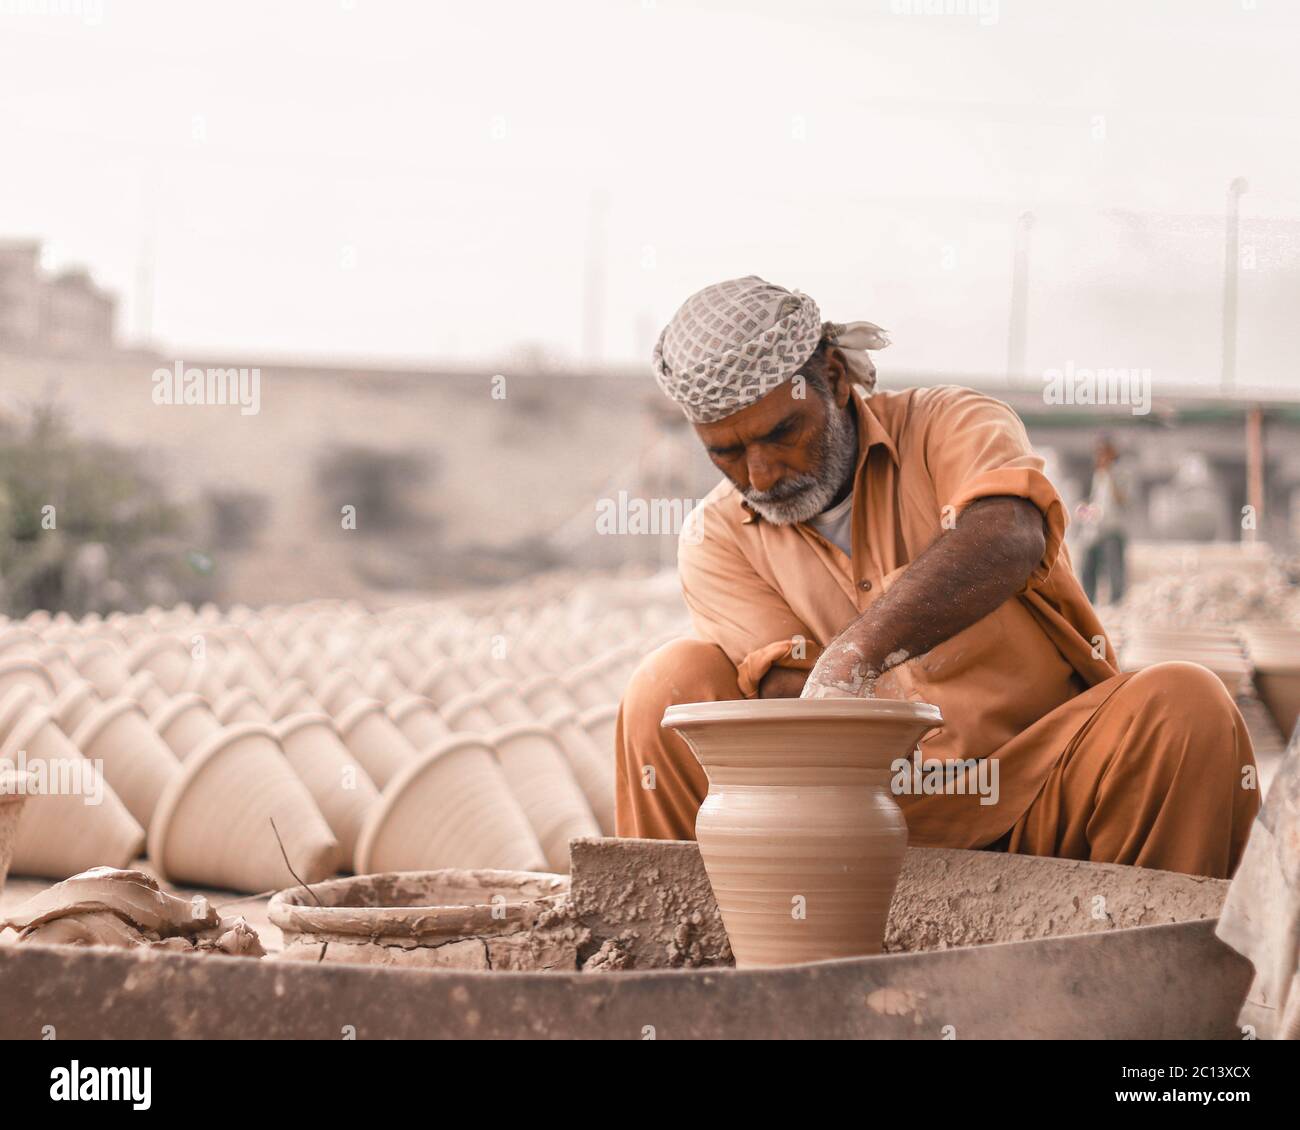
<point>962,576</point>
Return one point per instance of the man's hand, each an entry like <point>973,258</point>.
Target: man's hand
<point>962,576</point>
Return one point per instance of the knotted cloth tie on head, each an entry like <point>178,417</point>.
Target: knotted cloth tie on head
<point>732,343</point>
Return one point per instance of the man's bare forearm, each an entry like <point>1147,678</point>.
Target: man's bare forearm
<point>961,577</point>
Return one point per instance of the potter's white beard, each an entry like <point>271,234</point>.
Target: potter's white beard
<point>801,497</point>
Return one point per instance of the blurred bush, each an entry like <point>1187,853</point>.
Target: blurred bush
<point>84,526</point>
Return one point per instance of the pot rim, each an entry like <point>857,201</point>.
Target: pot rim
<point>764,710</point>
<point>175,705</point>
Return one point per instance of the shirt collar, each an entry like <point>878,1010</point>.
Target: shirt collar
<point>869,427</point>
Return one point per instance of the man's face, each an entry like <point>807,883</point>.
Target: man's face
<point>788,454</point>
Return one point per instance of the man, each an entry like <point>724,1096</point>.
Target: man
<point>1106,529</point>
<point>908,544</point>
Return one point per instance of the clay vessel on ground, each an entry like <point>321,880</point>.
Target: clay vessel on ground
<point>420,723</point>
<point>58,666</point>
<point>587,688</point>
<point>26,673</point>
<point>340,689</point>
<point>594,772</point>
<point>459,919</point>
<point>74,703</point>
<point>75,820</point>
<point>102,664</point>
<point>13,795</point>
<point>382,682</point>
<point>451,807</point>
<point>165,656</point>
<point>137,762</point>
<point>144,688</point>
<point>442,683</point>
<point>185,723</point>
<point>502,701</point>
<point>543,694</point>
<point>800,834</point>
<point>292,697</point>
<point>239,705</point>
<point>213,824</point>
<point>467,714</point>
<point>338,784</point>
<point>541,780</point>
<point>599,722</point>
<point>374,741</point>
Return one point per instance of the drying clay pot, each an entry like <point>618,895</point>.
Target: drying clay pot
<point>593,772</point>
<point>204,678</point>
<point>240,670</point>
<point>381,682</point>
<point>144,688</point>
<point>338,784</point>
<point>442,683</point>
<point>137,762</point>
<point>599,722</point>
<point>500,699</point>
<point>19,641</point>
<point>213,824</point>
<point>451,807</point>
<point>541,780</point>
<point>374,741</point>
<point>239,705</point>
<point>586,687</point>
<point>304,662</point>
<point>76,821</point>
<point>799,833</point>
<point>458,919</point>
<point>342,688</point>
<point>185,723</point>
<point>74,704</point>
<point>58,666</point>
<point>420,723</point>
<point>543,694</point>
<point>292,697</point>
<point>25,673</point>
<point>13,795</point>
<point>102,664</point>
<point>467,714</point>
<point>165,656</point>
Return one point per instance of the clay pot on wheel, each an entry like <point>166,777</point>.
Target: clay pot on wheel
<point>212,826</point>
<point>799,833</point>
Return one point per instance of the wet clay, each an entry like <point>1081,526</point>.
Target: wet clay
<point>108,906</point>
<point>800,836</point>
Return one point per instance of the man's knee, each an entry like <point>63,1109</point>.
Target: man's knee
<point>1188,701</point>
<point>682,670</point>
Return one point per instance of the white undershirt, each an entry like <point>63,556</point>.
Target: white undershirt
<point>836,524</point>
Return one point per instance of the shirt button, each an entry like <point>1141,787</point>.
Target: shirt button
<point>865,586</point>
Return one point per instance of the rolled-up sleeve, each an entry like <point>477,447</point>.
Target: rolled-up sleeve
<point>976,447</point>
<point>735,608</point>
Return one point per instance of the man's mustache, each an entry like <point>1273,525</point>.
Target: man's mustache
<point>784,491</point>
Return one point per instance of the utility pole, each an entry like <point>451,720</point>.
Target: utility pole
<point>1231,268</point>
<point>1018,328</point>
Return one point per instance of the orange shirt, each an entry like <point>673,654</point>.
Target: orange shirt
<point>769,594</point>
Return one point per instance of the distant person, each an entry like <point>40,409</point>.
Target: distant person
<point>1105,518</point>
<point>906,542</point>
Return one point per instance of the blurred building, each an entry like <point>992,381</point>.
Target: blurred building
<point>64,313</point>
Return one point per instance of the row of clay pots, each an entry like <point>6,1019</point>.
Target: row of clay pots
<point>371,755</point>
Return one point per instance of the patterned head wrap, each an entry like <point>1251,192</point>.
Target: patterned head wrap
<point>734,342</point>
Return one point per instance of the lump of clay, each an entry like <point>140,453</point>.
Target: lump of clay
<point>108,906</point>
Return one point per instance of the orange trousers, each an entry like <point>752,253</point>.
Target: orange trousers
<point>1155,776</point>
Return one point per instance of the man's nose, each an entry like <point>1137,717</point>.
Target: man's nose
<point>764,473</point>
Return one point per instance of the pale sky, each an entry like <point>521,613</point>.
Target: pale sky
<point>421,181</point>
